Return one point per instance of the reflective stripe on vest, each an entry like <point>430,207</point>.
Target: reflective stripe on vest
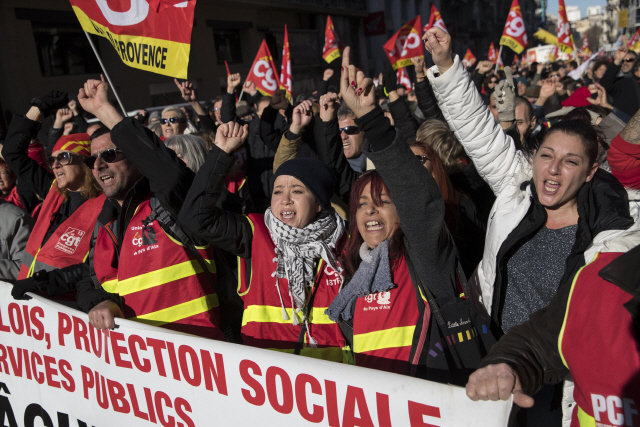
<point>585,419</point>
<point>180,311</point>
<point>387,338</point>
<point>266,313</point>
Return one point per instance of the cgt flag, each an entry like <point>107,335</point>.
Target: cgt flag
<point>469,59</point>
<point>332,45</point>
<point>152,36</point>
<point>514,34</point>
<point>435,20</point>
<point>634,43</point>
<point>493,55</point>
<point>565,37</point>
<point>263,72</point>
<point>285,69</point>
<point>405,44</point>
<point>585,44</point>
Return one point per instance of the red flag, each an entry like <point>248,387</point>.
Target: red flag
<point>154,37</point>
<point>285,69</point>
<point>405,44</point>
<point>435,20</point>
<point>403,78</point>
<point>585,44</point>
<point>493,55</point>
<point>514,34</point>
<point>332,45</point>
<point>634,43</point>
<point>516,60</point>
<point>565,37</point>
<point>469,59</point>
<point>263,72</point>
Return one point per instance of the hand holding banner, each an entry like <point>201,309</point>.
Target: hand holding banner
<point>405,44</point>
<point>514,34</point>
<point>263,72</point>
<point>53,364</point>
<point>155,39</point>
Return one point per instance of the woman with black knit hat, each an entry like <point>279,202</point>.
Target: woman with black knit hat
<point>288,269</point>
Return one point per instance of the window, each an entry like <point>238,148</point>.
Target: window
<point>228,46</point>
<point>63,50</point>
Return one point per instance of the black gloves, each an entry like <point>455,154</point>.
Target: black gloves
<point>50,102</point>
<point>390,80</point>
<point>38,282</point>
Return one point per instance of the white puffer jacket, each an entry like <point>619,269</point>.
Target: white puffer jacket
<point>505,169</point>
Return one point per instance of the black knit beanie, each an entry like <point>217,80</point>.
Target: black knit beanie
<point>319,178</point>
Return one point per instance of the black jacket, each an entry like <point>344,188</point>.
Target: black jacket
<point>625,91</point>
<point>427,102</point>
<point>602,205</point>
<point>531,349</point>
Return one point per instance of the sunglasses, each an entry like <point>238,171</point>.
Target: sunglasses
<point>170,120</point>
<point>109,156</point>
<point>350,130</point>
<point>554,76</point>
<point>423,159</point>
<point>63,158</point>
<point>628,60</point>
<point>493,81</point>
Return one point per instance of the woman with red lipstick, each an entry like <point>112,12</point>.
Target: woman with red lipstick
<point>287,257</point>
<point>551,215</point>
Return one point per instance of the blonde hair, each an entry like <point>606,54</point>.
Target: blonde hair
<point>439,137</point>
<point>89,189</point>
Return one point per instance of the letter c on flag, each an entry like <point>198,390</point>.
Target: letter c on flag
<point>136,13</point>
<point>268,82</point>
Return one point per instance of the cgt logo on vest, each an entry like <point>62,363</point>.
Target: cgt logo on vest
<point>382,298</point>
<point>612,411</point>
<point>70,240</point>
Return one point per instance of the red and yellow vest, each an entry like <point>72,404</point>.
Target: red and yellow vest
<point>160,281</point>
<point>598,345</point>
<point>69,244</point>
<point>384,324</point>
<point>262,322</point>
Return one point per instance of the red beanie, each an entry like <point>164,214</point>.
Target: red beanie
<point>79,143</point>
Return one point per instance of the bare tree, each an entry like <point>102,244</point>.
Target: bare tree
<point>593,35</point>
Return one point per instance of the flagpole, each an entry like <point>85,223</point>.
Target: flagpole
<point>498,59</point>
<point>104,70</point>
<point>240,97</point>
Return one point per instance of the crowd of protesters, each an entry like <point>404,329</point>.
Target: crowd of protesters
<point>367,223</point>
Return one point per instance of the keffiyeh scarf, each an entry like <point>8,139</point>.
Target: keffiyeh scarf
<point>296,250</point>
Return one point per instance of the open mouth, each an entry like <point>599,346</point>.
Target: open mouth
<point>105,180</point>
<point>551,186</point>
<point>286,216</point>
<point>373,226</point>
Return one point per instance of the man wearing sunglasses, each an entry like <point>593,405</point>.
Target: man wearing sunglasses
<point>625,91</point>
<point>144,266</point>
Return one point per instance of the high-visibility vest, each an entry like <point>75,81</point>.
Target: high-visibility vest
<point>69,244</point>
<point>263,324</point>
<point>160,281</point>
<point>598,344</point>
<point>384,324</point>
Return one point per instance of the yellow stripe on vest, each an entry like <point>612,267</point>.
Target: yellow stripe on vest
<point>387,338</point>
<point>111,286</point>
<point>269,314</point>
<point>162,276</point>
<point>325,353</point>
<point>584,419</point>
<point>179,312</point>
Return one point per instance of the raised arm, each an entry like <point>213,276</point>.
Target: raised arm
<point>226,230</point>
<point>493,152</point>
<point>424,94</point>
<point>169,177</point>
<point>289,147</point>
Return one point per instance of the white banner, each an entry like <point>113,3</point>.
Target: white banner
<point>56,370</point>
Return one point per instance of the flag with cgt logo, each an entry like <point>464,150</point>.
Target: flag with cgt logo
<point>151,35</point>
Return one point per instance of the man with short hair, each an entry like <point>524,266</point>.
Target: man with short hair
<point>352,139</point>
<point>625,91</point>
<point>627,63</point>
<point>528,127</point>
<point>142,266</point>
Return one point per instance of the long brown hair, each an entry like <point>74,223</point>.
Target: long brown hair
<point>89,189</point>
<point>450,195</point>
<point>351,256</point>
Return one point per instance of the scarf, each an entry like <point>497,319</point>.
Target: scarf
<point>296,250</point>
<point>373,275</point>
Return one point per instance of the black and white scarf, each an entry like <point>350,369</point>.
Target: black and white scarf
<point>296,250</point>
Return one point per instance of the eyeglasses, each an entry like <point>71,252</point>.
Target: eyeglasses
<point>423,159</point>
<point>63,158</point>
<point>493,81</point>
<point>109,156</point>
<point>171,120</point>
<point>629,60</point>
<point>350,130</point>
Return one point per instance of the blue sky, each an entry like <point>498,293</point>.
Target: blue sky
<point>552,5</point>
